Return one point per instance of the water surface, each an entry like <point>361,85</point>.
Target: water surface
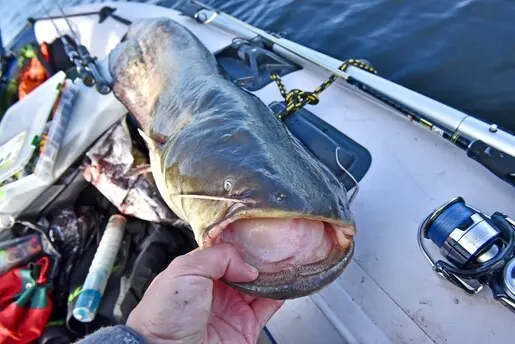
<point>461,53</point>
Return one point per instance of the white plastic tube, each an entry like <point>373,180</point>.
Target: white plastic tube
<point>90,296</point>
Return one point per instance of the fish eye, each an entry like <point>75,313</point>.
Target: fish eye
<point>227,185</point>
<point>280,197</point>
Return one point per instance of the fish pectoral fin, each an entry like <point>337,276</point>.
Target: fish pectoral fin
<point>151,144</point>
<point>141,169</point>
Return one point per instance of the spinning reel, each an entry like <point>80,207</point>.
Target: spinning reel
<point>479,249</point>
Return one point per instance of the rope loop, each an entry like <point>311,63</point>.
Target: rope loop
<point>296,99</point>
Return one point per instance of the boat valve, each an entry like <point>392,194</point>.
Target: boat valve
<point>477,249</point>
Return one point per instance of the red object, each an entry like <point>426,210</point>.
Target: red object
<point>25,304</point>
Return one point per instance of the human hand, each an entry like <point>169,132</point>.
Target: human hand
<point>187,302</point>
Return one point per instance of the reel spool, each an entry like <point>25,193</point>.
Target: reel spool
<point>478,249</point>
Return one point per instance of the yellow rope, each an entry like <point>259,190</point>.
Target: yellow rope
<point>296,99</point>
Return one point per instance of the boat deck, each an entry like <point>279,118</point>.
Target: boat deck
<point>388,292</point>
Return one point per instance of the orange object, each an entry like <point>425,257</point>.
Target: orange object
<point>33,74</point>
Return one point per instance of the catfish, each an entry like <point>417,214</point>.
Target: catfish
<point>227,167</point>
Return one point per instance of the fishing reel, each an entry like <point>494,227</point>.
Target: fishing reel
<point>478,249</point>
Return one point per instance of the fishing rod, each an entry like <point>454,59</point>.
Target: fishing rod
<point>206,15</point>
<point>86,59</point>
<point>3,70</point>
<point>485,143</point>
<point>3,62</point>
<point>2,49</point>
<point>86,76</point>
<point>104,13</point>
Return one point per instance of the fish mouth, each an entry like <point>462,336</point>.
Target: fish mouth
<point>296,254</point>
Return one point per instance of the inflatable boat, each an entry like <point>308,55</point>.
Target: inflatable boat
<point>434,243</point>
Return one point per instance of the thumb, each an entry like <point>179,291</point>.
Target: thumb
<point>214,262</point>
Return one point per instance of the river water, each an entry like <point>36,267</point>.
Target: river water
<point>459,52</point>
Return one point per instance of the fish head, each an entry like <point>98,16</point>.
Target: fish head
<point>255,186</point>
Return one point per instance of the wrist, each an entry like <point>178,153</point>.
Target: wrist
<point>114,334</point>
<point>134,334</point>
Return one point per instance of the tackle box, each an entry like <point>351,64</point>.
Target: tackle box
<point>31,132</point>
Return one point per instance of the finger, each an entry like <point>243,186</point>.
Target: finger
<point>214,262</point>
<point>265,308</point>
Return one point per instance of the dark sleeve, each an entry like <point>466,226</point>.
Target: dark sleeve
<point>112,335</point>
